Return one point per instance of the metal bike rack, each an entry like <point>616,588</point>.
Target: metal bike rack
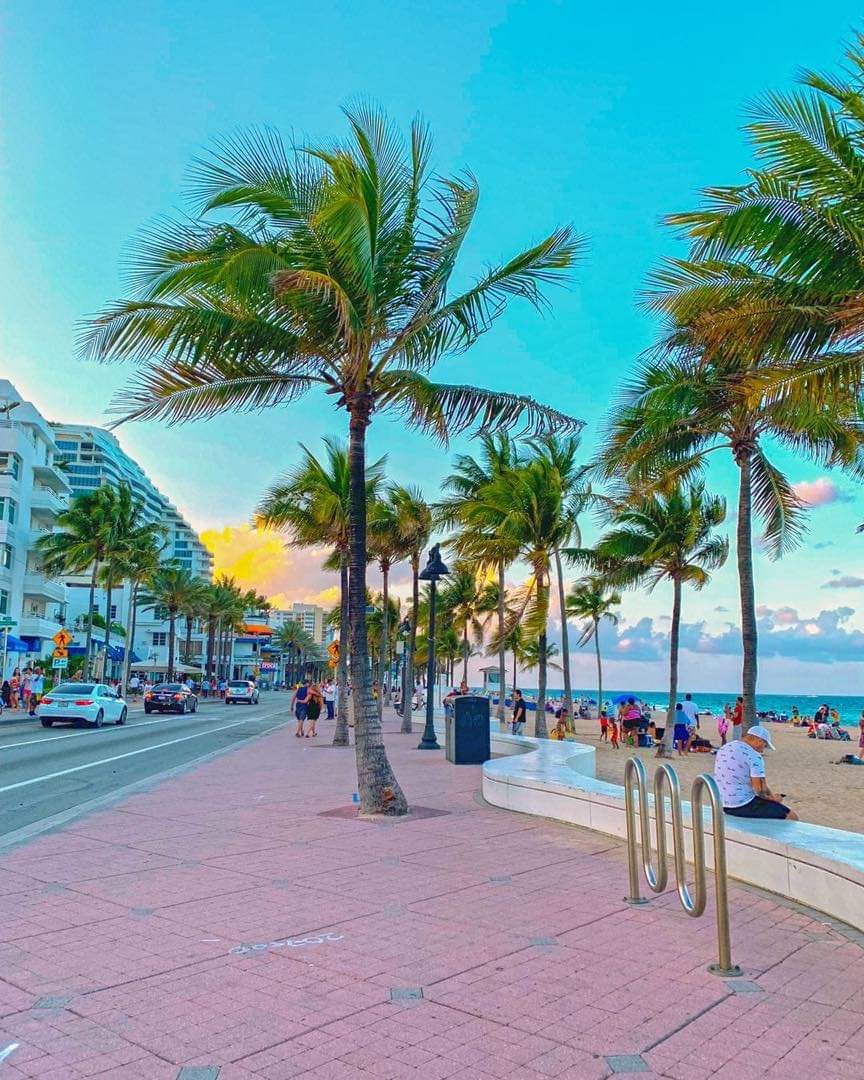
<point>657,876</point>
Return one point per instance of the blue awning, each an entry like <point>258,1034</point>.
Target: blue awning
<point>115,652</point>
<point>15,644</point>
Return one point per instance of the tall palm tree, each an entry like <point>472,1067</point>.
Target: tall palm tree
<point>682,408</point>
<point>592,600</point>
<point>82,542</point>
<point>387,546</point>
<point>529,655</point>
<point>414,524</point>
<point>562,454</point>
<point>667,538</point>
<point>140,560</point>
<point>327,266</point>
<point>312,503</point>
<point>463,501</point>
<point>175,589</point>
<point>465,599</point>
<point>292,638</point>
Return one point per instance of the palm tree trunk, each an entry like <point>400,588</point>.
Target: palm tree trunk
<point>502,670</point>
<point>188,644</point>
<point>747,589</point>
<point>465,651</point>
<point>172,633</point>
<point>211,646</point>
<point>340,735</point>
<point>565,641</point>
<point>376,782</point>
<point>599,668</point>
<point>408,674</point>
<point>130,636</point>
<point>89,637</point>
<point>540,715</point>
<point>665,747</point>
<point>108,591</point>
<point>514,669</point>
<point>384,681</point>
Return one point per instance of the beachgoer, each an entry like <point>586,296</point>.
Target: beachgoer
<point>691,712</point>
<point>6,693</point>
<point>613,734</point>
<point>134,685</point>
<point>559,732</point>
<point>520,713</point>
<point>604,725</point>
<point>330,697</point>
<point>681,730</point>
<point>37,688</point>
<point>463,688</point>
<point>313,709</point>
<point>722,726</point>
<point>738,718</point>
<point>796,716</point>
<point>630,719</point>
<point>861,727</point>
<point>300,705</point>
<point>739,769</point>
<point>14,687</point>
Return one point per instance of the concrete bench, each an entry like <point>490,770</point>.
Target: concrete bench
<point>812,864</point>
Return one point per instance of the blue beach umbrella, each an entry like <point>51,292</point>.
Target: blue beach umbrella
<point>625,697</point>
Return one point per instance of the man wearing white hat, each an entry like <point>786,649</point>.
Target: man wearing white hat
<point>739,769</point>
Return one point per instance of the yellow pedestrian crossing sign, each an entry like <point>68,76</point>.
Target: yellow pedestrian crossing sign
<point>61,639</point>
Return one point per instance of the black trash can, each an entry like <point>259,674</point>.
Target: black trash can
<point>467,731</point>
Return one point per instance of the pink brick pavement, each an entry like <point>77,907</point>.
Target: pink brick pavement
<point>125,943</point>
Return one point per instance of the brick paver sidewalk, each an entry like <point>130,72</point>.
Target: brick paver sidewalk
<point>221,924</point>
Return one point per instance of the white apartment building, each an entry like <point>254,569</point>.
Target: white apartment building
<point>310,616</point>
<point>92,457</point>
<point>33,490</point>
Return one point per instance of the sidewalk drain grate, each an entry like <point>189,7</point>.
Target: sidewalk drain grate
<point>627,1063</point>
<point>501,879</point>
<point>743,986</point>
<point>544,941</point>
<point>391,860</point>
<point>54,889</point>
<point>143,912</point>
<point>392,911</point>
<point>52,1003</point>
<point>198,1072</point>
<point>405,993</point>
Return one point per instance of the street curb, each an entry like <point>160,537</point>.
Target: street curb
<point>56,821</point>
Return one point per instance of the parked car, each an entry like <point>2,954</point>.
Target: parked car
<point>241,690</point>
<point>170,697</point>
<point>88,703</point>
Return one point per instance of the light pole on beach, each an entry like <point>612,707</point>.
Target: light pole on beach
<point>432,572</point>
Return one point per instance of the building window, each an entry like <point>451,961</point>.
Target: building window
<point>6,556</point>
<point>4,602</point>
<point>67,444</point>
<point>160,614</point>
<point>160,637</point>
<point>8,510</point>
<point>10,465</point>
<point>113,611</point>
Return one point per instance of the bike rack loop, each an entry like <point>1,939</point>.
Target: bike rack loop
<point>657,877</point>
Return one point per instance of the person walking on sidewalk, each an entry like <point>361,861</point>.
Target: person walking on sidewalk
<point>520,712</point>
<point>300,706</point>
<point>37,688</point>
<point>313,709</point>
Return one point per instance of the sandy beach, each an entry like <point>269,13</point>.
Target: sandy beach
<point>816,789</point>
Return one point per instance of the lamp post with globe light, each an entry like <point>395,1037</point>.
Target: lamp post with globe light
<point>434,570</point>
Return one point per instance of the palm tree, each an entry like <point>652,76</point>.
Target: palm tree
<point>82,542</point>
<point>464,600</point>
<point>414,525</point>
<point>591,599</point>
<point>573,478</point>
<point>140,561</point>
<point>529,655</point>
<point>667,538</point>
<point>682,408</point>
<point>175,589</point>
<point>298,643</point>
<point>312,503</point>
<point>463,502</point>
<point>327,266</point>
<point>387,546</point>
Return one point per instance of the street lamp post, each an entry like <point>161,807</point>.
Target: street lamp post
<point>433,570</point>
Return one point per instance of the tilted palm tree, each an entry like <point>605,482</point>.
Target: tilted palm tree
<point>175,589</point>
<point>312,503</point>
<point>666,538</point>
<point>325,266</point>
<point>681,409</point>
<point>414,524</point>
<point>463,502</point>
<point>591,599</point>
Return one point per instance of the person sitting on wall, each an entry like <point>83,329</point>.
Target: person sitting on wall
<point>739,769</point>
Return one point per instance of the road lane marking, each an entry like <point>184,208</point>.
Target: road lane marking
<point>118,757</point>
<point>129,726</point>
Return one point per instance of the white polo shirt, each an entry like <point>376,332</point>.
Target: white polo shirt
<point>735,764</point>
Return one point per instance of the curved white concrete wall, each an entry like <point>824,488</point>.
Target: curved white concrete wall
<point>815,865</point>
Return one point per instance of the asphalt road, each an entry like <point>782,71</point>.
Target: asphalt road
<point>48,771</point>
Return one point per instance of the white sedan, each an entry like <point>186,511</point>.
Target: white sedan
<point>88,703</point>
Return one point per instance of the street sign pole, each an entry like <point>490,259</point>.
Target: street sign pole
<point>5,649</point>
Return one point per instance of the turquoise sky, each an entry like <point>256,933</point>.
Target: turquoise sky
<point>605,115</point>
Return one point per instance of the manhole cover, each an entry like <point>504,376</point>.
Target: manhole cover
<point>405,993</point>
<point>52,1003</point>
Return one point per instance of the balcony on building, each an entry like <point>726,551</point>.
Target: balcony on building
<point>39,587</point>
<point>52,476</point>
<point>45,503</point>
<point>40,622</point>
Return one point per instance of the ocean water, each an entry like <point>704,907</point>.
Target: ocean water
<point>848,707</point>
